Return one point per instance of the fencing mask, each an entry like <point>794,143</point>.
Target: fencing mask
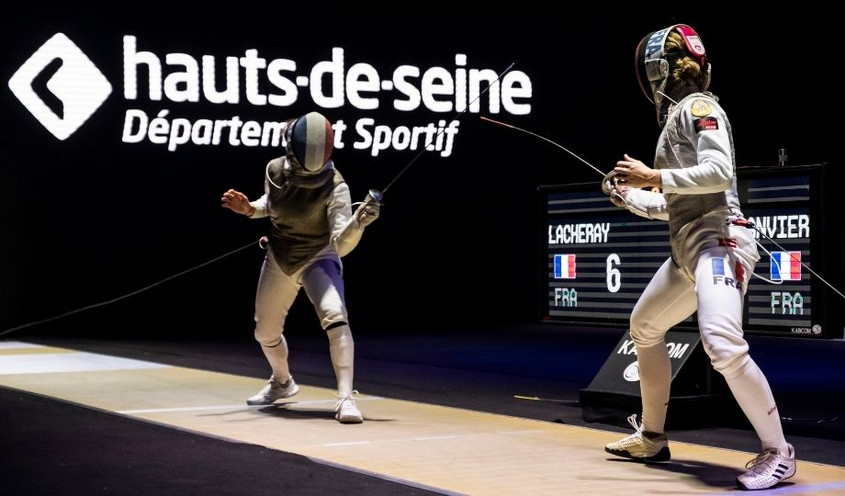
<point>309,143</point>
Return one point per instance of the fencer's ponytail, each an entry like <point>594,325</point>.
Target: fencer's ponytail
<point>684,70</point>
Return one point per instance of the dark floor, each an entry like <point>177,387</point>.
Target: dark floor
<point>533,371</point>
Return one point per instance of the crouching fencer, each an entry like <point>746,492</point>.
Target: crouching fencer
<point>692,185</point>
<point>312,227</point>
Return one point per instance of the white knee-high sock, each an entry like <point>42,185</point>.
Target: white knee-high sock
<point>342,351</point>
<point>751,390</point>
<point>655,382</point>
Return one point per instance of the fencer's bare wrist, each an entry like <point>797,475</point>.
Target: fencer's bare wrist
<point>250,211</point>
<point>657,180</point>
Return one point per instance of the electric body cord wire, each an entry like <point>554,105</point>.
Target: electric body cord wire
<point>127,295</point>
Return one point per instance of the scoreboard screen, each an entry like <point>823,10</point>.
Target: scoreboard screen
<point>596,258</point>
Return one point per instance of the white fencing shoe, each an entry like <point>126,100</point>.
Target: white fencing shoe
<point>767,469</point>
<point>274,390</point>
<point>347,411</point>
<point>641,446</point>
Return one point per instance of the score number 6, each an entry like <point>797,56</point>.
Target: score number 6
<point>614,277</point>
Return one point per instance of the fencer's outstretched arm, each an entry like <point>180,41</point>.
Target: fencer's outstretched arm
<point>348,227</point>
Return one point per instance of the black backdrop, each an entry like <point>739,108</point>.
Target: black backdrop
<point>130,237</point>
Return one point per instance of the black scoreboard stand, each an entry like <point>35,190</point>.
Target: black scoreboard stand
<point>699,396</point>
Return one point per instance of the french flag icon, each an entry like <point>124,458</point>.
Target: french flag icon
<point>565,266</point>
<point>785,266</point>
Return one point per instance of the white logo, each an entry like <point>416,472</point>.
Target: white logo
<point>60,86</point>
<point>62,89</point>
<point>631,372</point>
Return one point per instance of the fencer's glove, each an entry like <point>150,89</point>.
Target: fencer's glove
<point>609,187</point>
<point>369,209</point>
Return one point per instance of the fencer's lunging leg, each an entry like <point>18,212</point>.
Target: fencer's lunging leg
<point>342,351</point>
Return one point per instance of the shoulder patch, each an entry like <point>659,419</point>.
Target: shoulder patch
<point>706,124</point>
<point>700,108</point>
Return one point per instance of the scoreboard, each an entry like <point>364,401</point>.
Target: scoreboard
<point>596,258</point>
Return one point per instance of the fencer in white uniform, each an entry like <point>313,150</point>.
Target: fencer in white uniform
<point>692,186</point>
<point>312,228</point>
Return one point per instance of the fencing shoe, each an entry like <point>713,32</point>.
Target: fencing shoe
<point>273,391</point>
<point>641,446</point>
<point>767,469</point>
<point>347,412</point>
